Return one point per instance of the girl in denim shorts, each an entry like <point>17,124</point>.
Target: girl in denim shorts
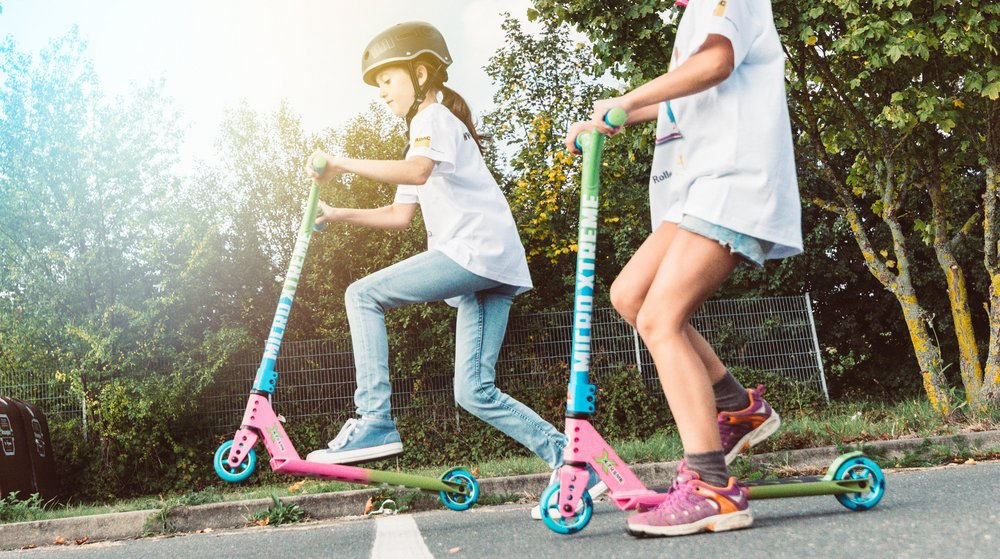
<point>722,191</point>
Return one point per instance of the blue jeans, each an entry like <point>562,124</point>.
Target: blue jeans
<point>480,328</point>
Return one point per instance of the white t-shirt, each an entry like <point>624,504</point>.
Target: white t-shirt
<point>725,155</point>
<point>466,214</point>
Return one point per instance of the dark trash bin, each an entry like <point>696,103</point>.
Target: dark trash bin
<point>32,452</point>
<point>15,463</point>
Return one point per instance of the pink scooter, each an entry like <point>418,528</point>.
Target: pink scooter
<point>236,459</point>
<point>855,480</point>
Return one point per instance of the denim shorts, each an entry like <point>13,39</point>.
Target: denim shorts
<point>750,248</point>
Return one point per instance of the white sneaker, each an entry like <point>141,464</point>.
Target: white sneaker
<point>596,490</point>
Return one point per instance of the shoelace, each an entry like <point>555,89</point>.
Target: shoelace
<point>677,497</point>
<point>345,434</point>
<point>680,491</point>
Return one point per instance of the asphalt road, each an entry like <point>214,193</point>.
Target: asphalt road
<point>947,512</point>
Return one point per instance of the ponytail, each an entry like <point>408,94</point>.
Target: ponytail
<point>458,107</point>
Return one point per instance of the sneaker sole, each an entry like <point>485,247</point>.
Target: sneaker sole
<point>717,523</point>
<point>755,437</point>
<point>355,456</point>
<point>600,488</point>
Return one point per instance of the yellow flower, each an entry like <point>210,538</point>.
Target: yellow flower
<point>958,103</point>
<point>811,40</point>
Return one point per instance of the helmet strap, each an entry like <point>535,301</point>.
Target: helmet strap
<point>419,92</point>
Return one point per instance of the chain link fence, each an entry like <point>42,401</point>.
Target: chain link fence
<point>316,377</point>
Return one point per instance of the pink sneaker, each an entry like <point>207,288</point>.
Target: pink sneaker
<point>740,430</point>
<point>695,506</point>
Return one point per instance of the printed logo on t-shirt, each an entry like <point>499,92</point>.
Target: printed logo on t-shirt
<point>720,8</point>
<point>422,142</point>
<point>661,177</point>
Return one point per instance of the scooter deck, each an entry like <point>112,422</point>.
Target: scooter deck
<point>362,476</point>
<point>802,486</point>
<point>806,486</point>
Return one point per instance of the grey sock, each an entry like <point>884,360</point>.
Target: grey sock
<point>730,394</point>
<point>711,466</point>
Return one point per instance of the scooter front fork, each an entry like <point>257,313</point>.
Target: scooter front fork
<point>260,421</point>
<point>587,447</point>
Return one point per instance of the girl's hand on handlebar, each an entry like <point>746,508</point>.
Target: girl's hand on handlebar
<point>575,130</point>
<point>601,109</point>
<point>328,214</point>
<point>330,171</point>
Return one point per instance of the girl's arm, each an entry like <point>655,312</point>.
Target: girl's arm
<point>642,114</point>
<point>709,66</point>
<point>414,171</point>
<point>395,216</point>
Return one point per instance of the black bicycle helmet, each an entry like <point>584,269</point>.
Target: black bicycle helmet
<point>402,44</point>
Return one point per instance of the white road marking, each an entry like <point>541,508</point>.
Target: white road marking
<point>398,536</point>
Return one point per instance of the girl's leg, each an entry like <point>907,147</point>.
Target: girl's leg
<point>429,276</point>
<point>703,496</point>
<point>479,332</point>
<point>631,287</point>
<point>692,268</point>
<point>745,419</point>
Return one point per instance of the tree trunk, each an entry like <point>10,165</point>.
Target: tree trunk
<point>925,348</point>
<point>958,294</point>
<point>961,314</point>
<point>990,391</point>
<point>927,352</point>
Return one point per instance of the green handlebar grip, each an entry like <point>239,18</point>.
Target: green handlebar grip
<point>319,164</point>
<point>616,117</point>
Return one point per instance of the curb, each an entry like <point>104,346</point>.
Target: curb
<point>325,506</point>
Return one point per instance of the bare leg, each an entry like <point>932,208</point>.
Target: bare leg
<point>692,268</point>
<point>630,289</point>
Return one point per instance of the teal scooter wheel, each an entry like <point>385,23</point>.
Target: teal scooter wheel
<point>226,471</point>
<point>460,501</point>
<point>549,505</point>
<point>861,467</point>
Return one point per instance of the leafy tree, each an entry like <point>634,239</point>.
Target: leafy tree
<point>544,83</point>
<point>890,97</point>
<point>106,273</point>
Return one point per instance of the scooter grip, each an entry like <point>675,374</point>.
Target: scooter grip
<point>319,226</point>
<point>319,165</point>
<point>614,118</point>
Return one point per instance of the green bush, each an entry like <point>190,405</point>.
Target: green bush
<point>145,437</point>
<point>628,407</point>
<point>13,509</point>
